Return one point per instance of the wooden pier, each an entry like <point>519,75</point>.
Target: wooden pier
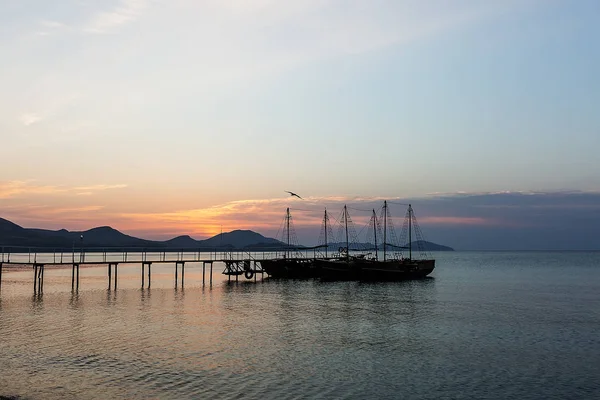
<point>237,262</point>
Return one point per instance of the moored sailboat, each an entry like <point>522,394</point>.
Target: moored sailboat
<point>344,266</point>
<point>396,269</point>
<point>289,266</point>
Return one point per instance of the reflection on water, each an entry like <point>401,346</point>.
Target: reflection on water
<point>469,332</point>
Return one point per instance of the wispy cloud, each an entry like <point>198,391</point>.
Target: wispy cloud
<point>21,189</point>
<point>50,24</point>
<point>94,188</point>
<point>45,103</point>
<point>71,210</point>
<point>107,21</point>
<point>28,119</point>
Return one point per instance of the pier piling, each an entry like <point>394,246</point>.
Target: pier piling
<point>75,277</point>
<point>177,264</point>
<point>38,278</point>
<point>0,276</point>
<point>110,266</point>
<point>149,264</point>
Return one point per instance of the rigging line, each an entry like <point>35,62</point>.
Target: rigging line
<point>358,209</point>
<point>400,204</point>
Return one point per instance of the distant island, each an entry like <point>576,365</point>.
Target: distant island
<point>416,245</point>
<point>12,234</point>
<point>429,246</point>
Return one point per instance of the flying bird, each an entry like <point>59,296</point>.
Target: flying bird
<point>293,194</point>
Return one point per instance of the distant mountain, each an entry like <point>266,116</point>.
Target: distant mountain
<point>12,234</point>
<point>9,227</point>
<point>429,246</point>
<point>182,242</point>
<point>240,239</point>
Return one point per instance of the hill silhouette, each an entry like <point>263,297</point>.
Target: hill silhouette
<point>12,234</point>
<point>429,246</point>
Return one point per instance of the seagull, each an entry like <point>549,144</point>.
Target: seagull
<point>293,194</point>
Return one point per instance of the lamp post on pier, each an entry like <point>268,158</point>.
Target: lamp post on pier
<point>81,255</point>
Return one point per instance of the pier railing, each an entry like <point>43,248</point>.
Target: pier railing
<point>104,255</point>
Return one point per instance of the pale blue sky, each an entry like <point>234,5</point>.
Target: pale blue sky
<point>167,106</point>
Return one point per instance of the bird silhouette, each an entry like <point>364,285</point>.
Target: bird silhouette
<point>293,194</point>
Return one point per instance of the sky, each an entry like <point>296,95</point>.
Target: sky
<point>169,117</point>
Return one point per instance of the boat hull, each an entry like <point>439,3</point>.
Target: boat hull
<point>348,270</point>
<point>337,270</point>
<point>290,268</point>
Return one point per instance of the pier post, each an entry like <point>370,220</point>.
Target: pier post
<point>1,274</point>
<point>77,267</point>
<point>41,278</point>
<point>38,277</point>
<point>73,277</point>
<point>203,270</point>
<point>177,264</point>
<point>110,265</point>
<point>149,264</point>
<point>211,265</point>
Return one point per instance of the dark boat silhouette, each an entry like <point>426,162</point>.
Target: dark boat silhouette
<point>365,268</point>
<point>290,266</point>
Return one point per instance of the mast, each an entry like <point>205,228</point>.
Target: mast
<point>375,232</point>
<point>346,224</point>
<point>325,222</point>
<point>384,228</point>
<point>287,219</point>
<point>409,232</point>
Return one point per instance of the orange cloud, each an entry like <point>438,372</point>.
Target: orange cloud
<point>263,215</point>
<point>259,214</point>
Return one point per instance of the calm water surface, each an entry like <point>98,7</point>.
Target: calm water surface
<point>487,325</point>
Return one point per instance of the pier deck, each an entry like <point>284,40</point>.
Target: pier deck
<point>237,262</point>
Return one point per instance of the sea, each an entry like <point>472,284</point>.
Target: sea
<point>485,325</point>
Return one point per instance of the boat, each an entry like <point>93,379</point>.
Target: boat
<point>289,266</point>
<point>344,266</point>
<point>399,268</point>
